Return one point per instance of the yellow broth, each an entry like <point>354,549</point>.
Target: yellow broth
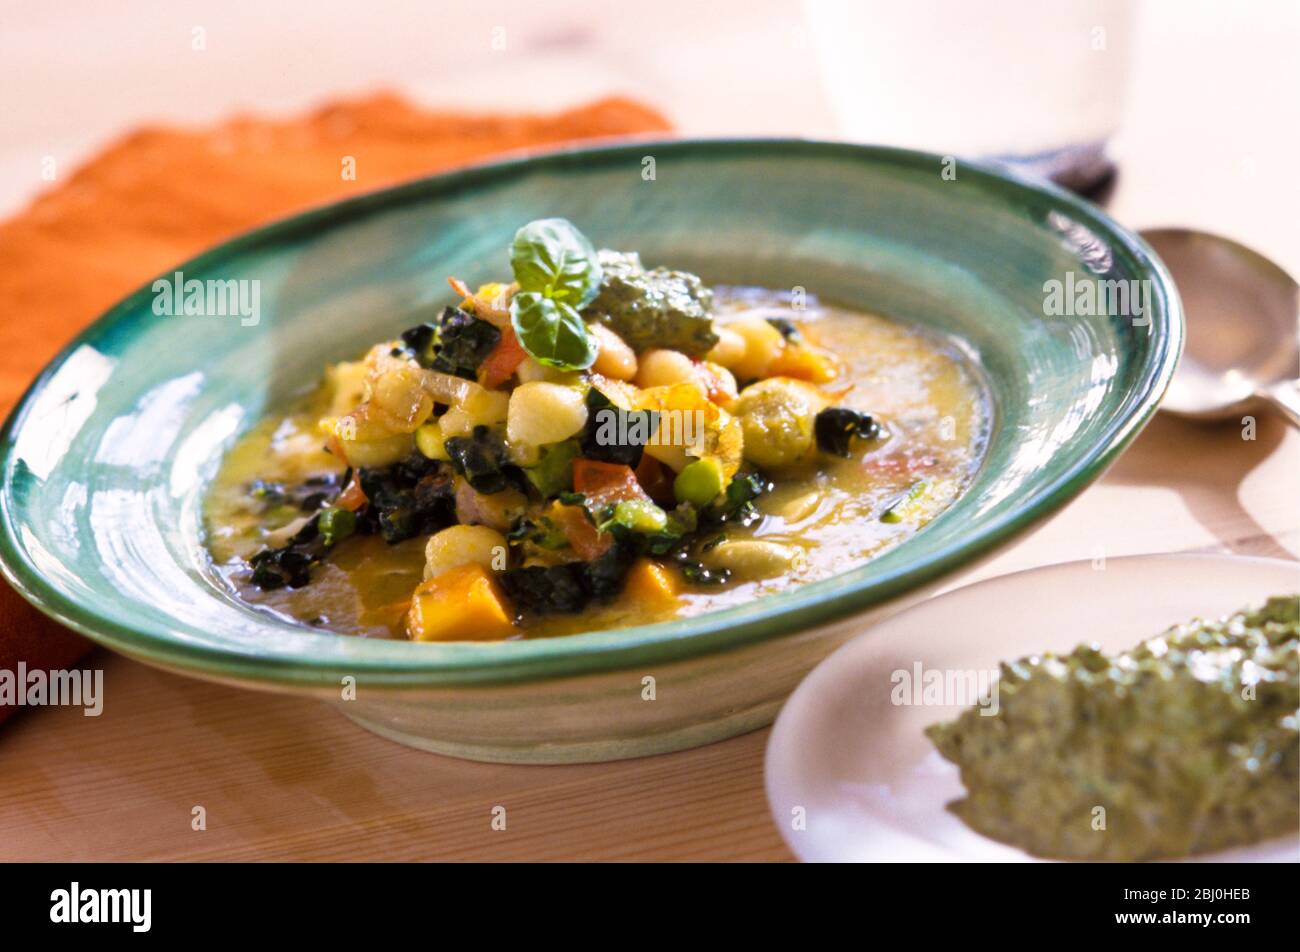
<point>919,386</point>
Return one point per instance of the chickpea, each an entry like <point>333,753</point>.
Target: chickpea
<point>662,368</point>
<point>399,395</point>
<point>730,348</point>
<point>615,358</point>
<point>542,413</point>
<point>723,383</point>
<point>763,344</point>
<point>461,545</point>
<point>380,452</point>
<point>347,383</point>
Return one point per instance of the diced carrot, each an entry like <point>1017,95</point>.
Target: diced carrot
<point>461,604</point>
<point>656,479</point>
<point>712,383</point>
<point>805,362</point>
<point>335,447</point>
<point>582,535</point>
<point>651,587</point>
<point>608,482</point>
<point>352,498</point>
<point>503,360</point>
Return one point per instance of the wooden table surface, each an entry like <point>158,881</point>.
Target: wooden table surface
<point>282,778</point>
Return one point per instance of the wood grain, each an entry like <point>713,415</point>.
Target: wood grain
<point>287,779</point>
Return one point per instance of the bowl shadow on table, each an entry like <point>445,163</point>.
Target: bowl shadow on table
<point>1214,460</point>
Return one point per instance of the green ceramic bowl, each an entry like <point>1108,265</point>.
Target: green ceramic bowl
<point>106,459</point>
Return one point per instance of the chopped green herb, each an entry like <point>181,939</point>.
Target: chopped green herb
<point>558,274</point>
<point>897,510</point>
<point>553,473</point>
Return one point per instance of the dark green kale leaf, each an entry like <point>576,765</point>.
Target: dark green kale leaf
<point>307,496</point>
<point>414,497</point>
<point>418,342</point>
<point>456,343</point>
<point>787,328</point>
<point>736,507</point>
<point>483,460</point>
<point>657,308</point>
<point>570,587</point>
<point>837,427</point>
<point>464,342</point>
<point>615,435</point>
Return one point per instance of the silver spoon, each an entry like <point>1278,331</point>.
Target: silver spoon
<point>1243,328</point>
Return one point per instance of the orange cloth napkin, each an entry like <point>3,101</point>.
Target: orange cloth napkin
<point>160,196</point>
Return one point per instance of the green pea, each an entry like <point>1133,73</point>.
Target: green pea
<point>699,482</point>
<point>335,525</point>
<point>640,515</point>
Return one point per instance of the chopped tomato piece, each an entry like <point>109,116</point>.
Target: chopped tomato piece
<point>582,535</point>
<point>656,479</point>
<point>503,360</point>
<point>352,498</point>
<point>606,482</point>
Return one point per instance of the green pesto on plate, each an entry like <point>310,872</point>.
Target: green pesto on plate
<point>1185,744</point>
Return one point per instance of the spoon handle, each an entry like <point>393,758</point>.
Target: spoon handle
<point>1285,397</point>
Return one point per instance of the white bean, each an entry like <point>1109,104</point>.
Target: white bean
<point>662,368</point>
<point>615,358</point>
<point>540,413</point>
<point>461,545</point>
<point>730,348</point>
<point>752,558</point>
<point>763,344</point>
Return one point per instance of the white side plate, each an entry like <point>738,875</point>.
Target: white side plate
<point>855,770</point>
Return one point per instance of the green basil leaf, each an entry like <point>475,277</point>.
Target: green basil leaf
<point>552,331</point>
<point>551,257</point>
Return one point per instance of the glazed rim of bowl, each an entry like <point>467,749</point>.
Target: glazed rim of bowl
<point>401,663</point>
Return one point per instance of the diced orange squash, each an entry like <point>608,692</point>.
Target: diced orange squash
<point>461,604</point>
<point>651,587</point>
<point>805,362</point>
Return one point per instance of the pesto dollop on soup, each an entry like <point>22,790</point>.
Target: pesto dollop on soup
<point>596,444</point>
<point>1185,744</point>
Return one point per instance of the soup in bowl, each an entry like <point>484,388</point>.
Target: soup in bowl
<point>924,311</point>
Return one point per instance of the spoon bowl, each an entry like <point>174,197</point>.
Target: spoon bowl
<point>1243,348</point>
